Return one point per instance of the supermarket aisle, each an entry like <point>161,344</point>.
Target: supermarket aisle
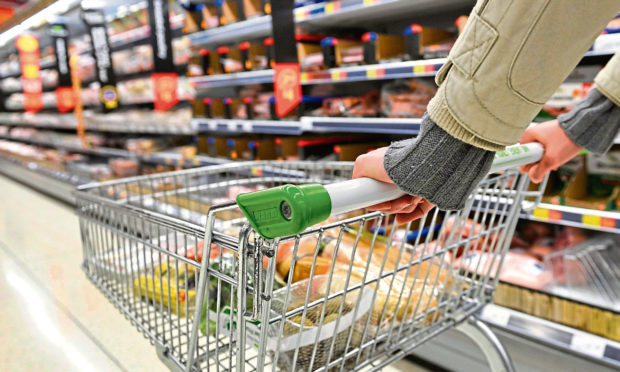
<point>52,318</point>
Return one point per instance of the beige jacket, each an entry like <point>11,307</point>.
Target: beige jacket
<point>510,59</point>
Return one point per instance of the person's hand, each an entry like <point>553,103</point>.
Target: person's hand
<point>407,207</point>
<point>559,148</point>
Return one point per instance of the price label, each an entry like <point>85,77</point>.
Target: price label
<point>496,315</point>
<point>588,344</point>
<point>332,7</point>
<point>212,125</point>
<point>232,126</point>
<point>247,126</point>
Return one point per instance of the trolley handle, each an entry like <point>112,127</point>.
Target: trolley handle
<point>290,209</point>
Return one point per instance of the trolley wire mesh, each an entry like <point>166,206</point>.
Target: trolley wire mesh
<point>176,257</point>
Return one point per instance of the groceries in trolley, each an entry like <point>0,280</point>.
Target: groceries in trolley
<point>179,257</point>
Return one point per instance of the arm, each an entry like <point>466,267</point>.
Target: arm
<point>509,60</point>
<point>593,124</point>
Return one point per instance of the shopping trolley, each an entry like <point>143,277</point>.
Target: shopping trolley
<point>296,277</point>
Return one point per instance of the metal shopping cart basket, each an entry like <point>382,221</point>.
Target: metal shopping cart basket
<point>309,281</point>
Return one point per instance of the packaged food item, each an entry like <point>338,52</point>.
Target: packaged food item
<point>367,105</point>
<point>518,268</point>
<point>124,167</point>
<point>406,99</point>
<point>408,292</point>
<point>170,287</point>
<point>302,331</point>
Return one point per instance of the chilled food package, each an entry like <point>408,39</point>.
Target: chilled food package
<point>518,268</point>
<point>124,167</point>
<point>325,319</point>
<point>406,98</point>
<point>411,280</point>
<point>366,105</point>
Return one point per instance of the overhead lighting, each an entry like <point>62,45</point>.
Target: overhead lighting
<point>37,19</point>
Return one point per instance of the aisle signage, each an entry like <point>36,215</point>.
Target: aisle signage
<point>65,97</point>
<point>287,73</point>
<point>165,79</point>
<point>29,58</point>
<point>108,94</point>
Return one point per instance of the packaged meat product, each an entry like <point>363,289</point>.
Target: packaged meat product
<point>367,105</point>
<point>124,167</point>
<point>568,237</point>
<point>519,268</point>
<point>195,251</point>
<point>462,231</point>
<point>406,99</point>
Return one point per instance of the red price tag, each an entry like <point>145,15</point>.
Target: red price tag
<point>65,99</point>
<point>287,85</point>
<point>165,87</point>
<point>29,58</point>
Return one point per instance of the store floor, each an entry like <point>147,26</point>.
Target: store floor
<point>52,318</point>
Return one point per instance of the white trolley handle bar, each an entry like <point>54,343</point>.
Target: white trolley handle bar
<point>359,193</point>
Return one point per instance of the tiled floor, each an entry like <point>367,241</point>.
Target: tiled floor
<point>52,318</point>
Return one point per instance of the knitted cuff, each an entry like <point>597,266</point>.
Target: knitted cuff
<point>593,123</point>
<point>437,166</point>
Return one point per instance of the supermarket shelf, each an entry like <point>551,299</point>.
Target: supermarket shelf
<point>308,124</point>
<point>163,158</point>
<point>597,57</point>
<point>566,339</point>
<point>347,13</point>
<point>140,35</point>
<point>389,70</point>
<point>232,79</point>
<point>578,217</point>
<point>253,28</point>
<point>100,151</point>
<point>341,13</point>
<point>45,88</point>
<point>284,127</point>
<point>179,69</point>
<point>127,127</point>
<point>365,125</point>
<point>47,62</point>
<point>55,183</point>
<point>174,159</point>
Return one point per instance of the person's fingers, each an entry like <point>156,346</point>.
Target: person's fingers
<point>427,206</point>
<point>381,206</point>
<point>423,208</point>
<point>529,136</point>
<point>403,218</point>
<point>536,174</point>
<point>401,203</point>
<point>393,206</point>
<point>371,165</point>
<point>526,168</point>
<point>408,209</point>
<point>540,169</point>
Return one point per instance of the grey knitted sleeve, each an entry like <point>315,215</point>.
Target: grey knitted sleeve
<point>593,123</point>
<point>437,166</point>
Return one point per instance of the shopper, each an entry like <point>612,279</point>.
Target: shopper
<point>510,58</point>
